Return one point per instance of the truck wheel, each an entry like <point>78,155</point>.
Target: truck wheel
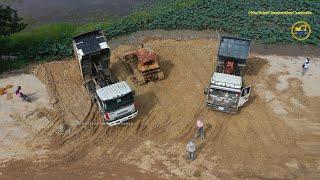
<point>140,79</point>
<point>142,82</point>
<point>131,81</point>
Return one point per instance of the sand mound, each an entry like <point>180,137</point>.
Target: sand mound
<point>256,143</point>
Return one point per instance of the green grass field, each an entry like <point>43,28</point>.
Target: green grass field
<point>53,41</point>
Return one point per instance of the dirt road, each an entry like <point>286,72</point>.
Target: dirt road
<point>275,136</point>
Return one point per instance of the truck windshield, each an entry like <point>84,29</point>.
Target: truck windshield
<point>223,93</point>
<point>114,104</point>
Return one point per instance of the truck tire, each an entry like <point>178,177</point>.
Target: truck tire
<point>142,82</point>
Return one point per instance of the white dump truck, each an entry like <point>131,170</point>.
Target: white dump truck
<point>226,91</point>
<point>115,99</point>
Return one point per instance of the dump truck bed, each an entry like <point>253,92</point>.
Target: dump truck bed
<point>93,54</point>
<point>234,48</point>
<point>91,42</point>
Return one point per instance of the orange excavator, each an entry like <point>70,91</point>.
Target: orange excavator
<point>143,66</point>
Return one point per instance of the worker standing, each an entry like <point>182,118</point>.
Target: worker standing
<point>21,95</point>
<point>200,131</point>
<point>191,148</point>
<point>305,66</point>
<point>18,93</point>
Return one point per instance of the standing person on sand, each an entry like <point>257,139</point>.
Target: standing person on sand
<point>305,66</point>
<point>191,148</point>
<point>17,92</point>
<point>200,131</point>
<point>21,95</point>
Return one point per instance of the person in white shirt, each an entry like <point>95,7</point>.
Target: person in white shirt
<point>305,66</point>
<point>191,148</point>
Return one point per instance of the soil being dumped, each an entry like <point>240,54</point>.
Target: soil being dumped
<point>266,139</point>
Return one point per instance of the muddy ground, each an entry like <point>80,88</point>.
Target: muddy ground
<point>275,136</point>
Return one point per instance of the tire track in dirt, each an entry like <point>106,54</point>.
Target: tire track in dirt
<point>56,92</point>
<point>79,137</point>
<point>168,111</point>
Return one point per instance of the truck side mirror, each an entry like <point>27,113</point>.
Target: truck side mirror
<point>245,94</point>
<point>205,91</point>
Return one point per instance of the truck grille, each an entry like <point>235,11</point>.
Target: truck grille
<point>229,108</point>
<point>122,116</point>
<point>226,103</point>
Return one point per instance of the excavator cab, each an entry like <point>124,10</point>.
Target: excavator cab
<point>143,66</point>
<point>146,57</point>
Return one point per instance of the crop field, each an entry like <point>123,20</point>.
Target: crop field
<point>53,41</point>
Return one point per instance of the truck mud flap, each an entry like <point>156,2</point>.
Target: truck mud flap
<point>91,88</point>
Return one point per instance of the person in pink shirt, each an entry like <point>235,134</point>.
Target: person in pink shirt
<point>200,131</point>
<point>20,94</point>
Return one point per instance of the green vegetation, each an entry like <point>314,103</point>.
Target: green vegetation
<point>10,21</point>
<point>229,16</point>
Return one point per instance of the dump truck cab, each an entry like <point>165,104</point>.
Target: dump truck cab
<point>115,99</point>
<point>116,102</point>
<point>226,91</point>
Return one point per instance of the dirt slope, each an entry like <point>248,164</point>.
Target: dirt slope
<point>256,143</point>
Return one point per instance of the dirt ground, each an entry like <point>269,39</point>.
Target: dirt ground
<point>20,120</point>
<point>275,136</point>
